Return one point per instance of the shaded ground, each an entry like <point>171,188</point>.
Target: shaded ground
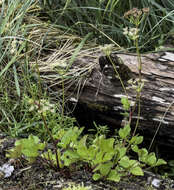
<point>37,176</point>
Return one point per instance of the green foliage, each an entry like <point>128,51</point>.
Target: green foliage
<point>66,139</point>
<point>126,104</point>
<point>28,118</point>
<point>29,148</point>
<point>148,158</point>
<point>108,157</point>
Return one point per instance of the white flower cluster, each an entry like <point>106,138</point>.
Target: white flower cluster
<point>107,49</point>
<point>132,33</point>
<point>42,106</point>
<point>15,46</point>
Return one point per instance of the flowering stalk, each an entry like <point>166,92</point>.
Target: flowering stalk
<point>135,16</point>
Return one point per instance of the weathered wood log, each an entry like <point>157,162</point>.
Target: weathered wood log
<point>157,107</point>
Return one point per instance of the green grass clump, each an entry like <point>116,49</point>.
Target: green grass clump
<point>78,17</point>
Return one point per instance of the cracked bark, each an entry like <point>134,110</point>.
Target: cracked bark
<point>156,97</point>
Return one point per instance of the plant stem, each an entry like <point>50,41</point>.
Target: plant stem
<point>54,142</point>
<point>115,69</point>
<point>138,99</point>
<point>43,117</point>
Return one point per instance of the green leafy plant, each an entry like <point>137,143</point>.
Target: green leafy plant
<point>29,148</point>
<point>109,158</point>
<point>66,141</point>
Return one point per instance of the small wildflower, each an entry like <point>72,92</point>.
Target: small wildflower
<point>139,13</point>
<point>41,106</point>
<point>13,46</point>
<point>7,170</point>
<point>135,13</point>
<point>107,49</point>
<point>1,2</point>
<point>146,10</point>
<point>126,14</point>
<point>132,33</point>
<point>125,31</point>
<point>12,51</point>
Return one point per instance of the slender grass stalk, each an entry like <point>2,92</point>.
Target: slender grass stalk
<point>158,128</point>
<point>117,73</point>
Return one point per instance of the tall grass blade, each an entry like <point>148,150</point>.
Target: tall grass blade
<point>16,81</point>
<point>79,47</point>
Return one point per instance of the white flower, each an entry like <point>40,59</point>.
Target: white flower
<point>7,169</point>
<point>132,33</point>
<point>125,31</point>
<point>107,49</point>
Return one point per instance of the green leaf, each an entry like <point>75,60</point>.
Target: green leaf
<point>124,162</point>
<point>92,151</point>
<point>41,146</point>
<point>50,156</point>
<point>82,150</point>
<point>123,133</point>
<point>151,159</point>
<point>142,154</point>
<point>106,145</point>
<point>15,152</point>
<point>96,176</point>
<point>160,162</point>
<point>119,153</point>
<point>137,171</point>
<point>125,114</point>
<point>133,162</point>
<point>30,151</point>
<point>135,148</point>
<point>126,103</point>
<point>105,168</point>
<point>69,157</point>
<point>69,136</point>
<point>60,162</point>
<point>98,158</point>
<point>30,147</point>
<point>122,152</point>
<point>108,156</point>
<point>136,140</point>
<point>114,176</point>
<point>31,159</point>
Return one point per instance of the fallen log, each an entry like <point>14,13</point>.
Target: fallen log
<point>102,91</point>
